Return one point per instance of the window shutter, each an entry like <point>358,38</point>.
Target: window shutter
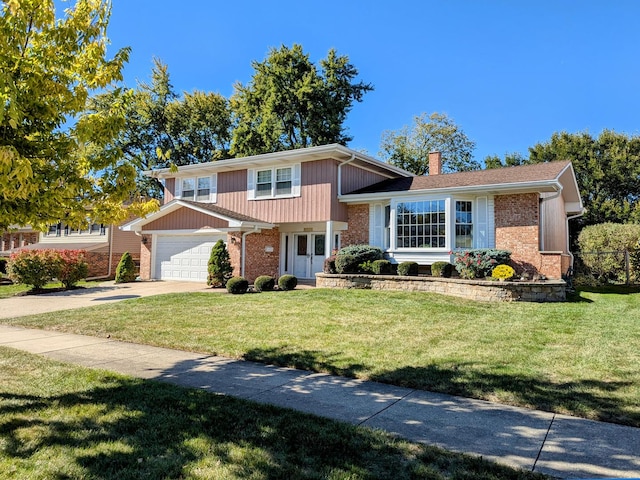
<point>213,192</point>
<point>251,184</point>
<point>295,181</point>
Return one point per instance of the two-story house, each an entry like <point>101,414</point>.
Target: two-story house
<point>286,212</point>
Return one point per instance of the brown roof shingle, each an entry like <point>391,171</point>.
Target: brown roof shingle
<point>538,172</point>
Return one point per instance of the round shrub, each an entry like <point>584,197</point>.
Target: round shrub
<point>381,267</point>
<point>441,269</point>
<point>347,264</point>
<point>287,282</point>
<point>362,253</point>
<point>503,272</point>
<point>264,283</point>
<point>237,285</point>
<point>329,265</point>
<point>408,268</point>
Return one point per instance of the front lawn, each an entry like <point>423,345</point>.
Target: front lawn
<point>579,358</point>
<point>61,421</point>
<point>10,289</point>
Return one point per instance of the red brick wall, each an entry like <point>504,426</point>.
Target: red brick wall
<point>357,232</point>
<point>258,261</point>
<point>145,257</point>
<point>517,220</point>
<point>234,247</point>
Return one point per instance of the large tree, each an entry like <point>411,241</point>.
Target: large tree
<point>50,165</point>
<point>409,147</point>
<point>163,129</point>
<point>607,169</point>
<point>291,103</point>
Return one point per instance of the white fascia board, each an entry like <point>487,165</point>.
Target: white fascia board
<point>498,189</point>
<point>336,151</point>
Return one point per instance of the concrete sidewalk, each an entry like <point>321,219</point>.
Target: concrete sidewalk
<point>558,445</point>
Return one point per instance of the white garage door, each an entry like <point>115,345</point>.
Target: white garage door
<point>184,257</point>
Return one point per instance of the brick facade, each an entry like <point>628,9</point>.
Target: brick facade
<point>11,240</point>
<point>517,223</point>
<point>145,257</point>
<point>234,247</point>
<point>262,254</point>
<point>357,232</point>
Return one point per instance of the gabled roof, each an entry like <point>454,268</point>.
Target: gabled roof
<point>333,151</point>
<point>236,220</point>
<point>540,177</point>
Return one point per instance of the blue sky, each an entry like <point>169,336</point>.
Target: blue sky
<point>509,73</point>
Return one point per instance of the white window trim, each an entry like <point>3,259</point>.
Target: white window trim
<point>252,175</point>
<point>213,188</point>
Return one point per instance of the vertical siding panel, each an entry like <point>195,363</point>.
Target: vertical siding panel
<point>169,189</point>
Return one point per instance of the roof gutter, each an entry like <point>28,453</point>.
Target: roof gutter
<point>353,157</point>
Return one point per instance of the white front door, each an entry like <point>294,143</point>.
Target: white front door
<point>308,254</point>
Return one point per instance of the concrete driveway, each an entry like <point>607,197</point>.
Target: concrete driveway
<point>107,292</point>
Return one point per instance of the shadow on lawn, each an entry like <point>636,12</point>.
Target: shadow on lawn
<point>584,398</point>
<point>129,429</point>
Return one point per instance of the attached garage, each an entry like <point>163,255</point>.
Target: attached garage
<point>184,257</point>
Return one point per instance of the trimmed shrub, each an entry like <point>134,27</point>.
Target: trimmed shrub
<point>287,282</point>
<point>408,269</point>
<point>479,263</point>
<point>34,267</point>
<point>503,272</point>
<point>237,285</point>
<point>609,240</point>
<point>126,269</point>
<point>329,265</point>
<point>441,269</point>
<point>73,267</point>
<point>347,264</point>
<point>264,283</point>
<point>381,267</point>
<point>219,265</point>
<point>362,253</point>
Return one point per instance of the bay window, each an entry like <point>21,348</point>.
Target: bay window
<point>421,224</point>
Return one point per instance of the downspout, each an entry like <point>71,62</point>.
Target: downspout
<point>243,249</point>
<point>353,157</point>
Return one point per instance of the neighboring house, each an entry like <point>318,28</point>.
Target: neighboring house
<point>16,237</point>
<point>286,212</point>
<point>104,245</point>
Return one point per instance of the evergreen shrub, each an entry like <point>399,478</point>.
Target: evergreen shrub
<point>237,285</point>
<point>441,269</point>
<point>126,269</point>
<point>287,282</point>
<point>408,269</point>
<point>264,283</point>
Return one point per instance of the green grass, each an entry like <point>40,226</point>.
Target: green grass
<point>12,289</point>
<point>61,421</point>
<point>579,358</point>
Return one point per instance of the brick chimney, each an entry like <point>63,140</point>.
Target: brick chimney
<point>435,163</point>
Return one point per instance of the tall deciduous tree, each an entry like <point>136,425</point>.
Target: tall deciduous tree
<point>409,147</point>
<point>291,103</point>
<point>50,168</point>
<point>607,170</point>
<point>163,129</point>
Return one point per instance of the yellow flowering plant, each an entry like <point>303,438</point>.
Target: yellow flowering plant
<point>503,272</point>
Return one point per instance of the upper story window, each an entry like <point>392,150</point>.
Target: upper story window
<point>59,229</point>
<point>275,182</point>
<point>421,224</point>
<point>464,224</point>
<point>200,189</point>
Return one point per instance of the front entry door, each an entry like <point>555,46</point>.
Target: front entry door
<point>308,254</point>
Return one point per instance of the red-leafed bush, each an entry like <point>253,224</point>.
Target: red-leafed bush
<point>73,267</point>
<point>39,267</point>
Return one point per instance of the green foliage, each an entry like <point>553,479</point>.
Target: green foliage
<point>441,269</point>
<point>126,269</point>
<point>347,264</point>
<point>329,265</point>
<point>162,129</point>
<point>264,283</point>
<point>72,267</point>
<point>50,164</point>
<point>607,170</point>
<point>479,263</point>
<point>291,103</point>
<point>219,266</point>
<point>408,269</point>
<point>362,253</point>
<point>237,285</point>
<point>510,160</point>
<point>503,272</point>
<point>602,249</point>
<point>34,267</point>
<point>287,282</point>
<point>381,267</point>
<point>409,147</point>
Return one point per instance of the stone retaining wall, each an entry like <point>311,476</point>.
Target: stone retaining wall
<point>485,290</point>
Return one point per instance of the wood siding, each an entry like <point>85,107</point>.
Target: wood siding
<point>354,178</point>
<point>125,242</point>
<point>169,189</point>
<point>185,219</point>
<point>554,225</point>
